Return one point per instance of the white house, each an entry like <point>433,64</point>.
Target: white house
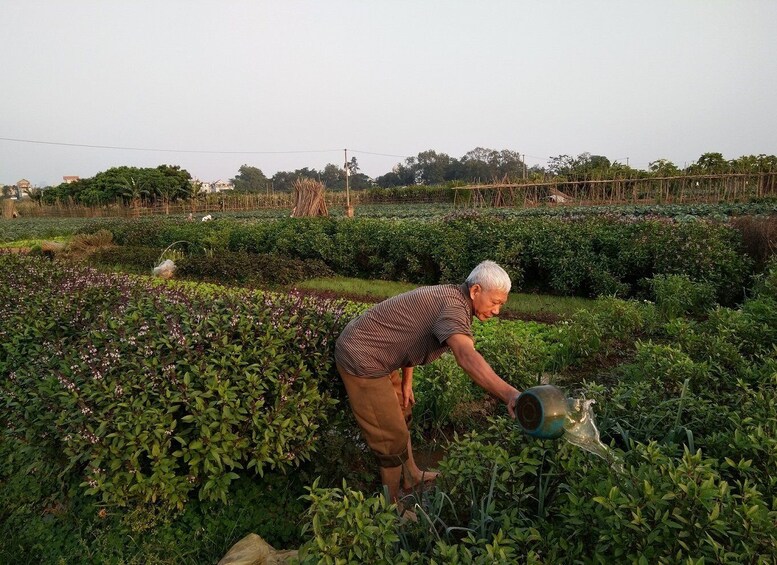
<point>211,187</point>
<point>22,188</point>
<point>205,187</point>
<point>222,185</point>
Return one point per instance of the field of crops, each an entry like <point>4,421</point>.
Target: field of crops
<point>149,421</point>
<point>37,228</point>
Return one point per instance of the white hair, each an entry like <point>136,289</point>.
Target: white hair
<point>489,276</point>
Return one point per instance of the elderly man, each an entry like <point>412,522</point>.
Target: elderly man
<point>377,351</point>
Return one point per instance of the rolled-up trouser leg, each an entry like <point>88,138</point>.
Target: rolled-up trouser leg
<point>380,416</point>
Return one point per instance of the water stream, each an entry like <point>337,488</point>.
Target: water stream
<point>580,430</point>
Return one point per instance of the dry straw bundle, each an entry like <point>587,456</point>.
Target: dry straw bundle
<point>309,198</point>
<point>9,209</point>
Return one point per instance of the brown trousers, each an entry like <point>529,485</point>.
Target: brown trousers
<point>377,405</point>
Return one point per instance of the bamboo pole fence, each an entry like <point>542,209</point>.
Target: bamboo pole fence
<point>679,189</point>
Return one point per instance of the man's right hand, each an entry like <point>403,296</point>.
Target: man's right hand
<point>511,405</point>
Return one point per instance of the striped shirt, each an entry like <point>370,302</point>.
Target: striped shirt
<point>404,331</point>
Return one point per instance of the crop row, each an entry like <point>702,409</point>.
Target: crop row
<point>587,257</point>
<point>161,392</point>
<point>43,227</point>
<point>154,392</point>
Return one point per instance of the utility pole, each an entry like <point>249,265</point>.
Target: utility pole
<point>348,207</point>
<point>523,161</point>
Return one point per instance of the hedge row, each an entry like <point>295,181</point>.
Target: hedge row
<point>588,257</point>
<point>154,393</point>
<point>221,266</point>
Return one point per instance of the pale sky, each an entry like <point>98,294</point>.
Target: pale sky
<point>273,79</point>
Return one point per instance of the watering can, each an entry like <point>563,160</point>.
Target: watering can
<point>541,411</point>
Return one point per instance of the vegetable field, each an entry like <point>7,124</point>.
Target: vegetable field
<point>160,422</point>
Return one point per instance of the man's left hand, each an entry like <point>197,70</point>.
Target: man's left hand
<point>408,399</point>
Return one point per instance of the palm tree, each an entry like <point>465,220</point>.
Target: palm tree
<point>168,190</point>
<point>134,190</point>
<point>194,193</point>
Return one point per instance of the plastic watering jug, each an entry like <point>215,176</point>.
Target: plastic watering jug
<point>542,411</point>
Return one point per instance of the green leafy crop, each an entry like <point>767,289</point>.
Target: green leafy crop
<point>156,393</point>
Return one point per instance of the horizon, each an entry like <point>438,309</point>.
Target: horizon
<point>269,177</point>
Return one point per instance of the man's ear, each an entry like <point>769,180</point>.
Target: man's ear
<point>474,290</point>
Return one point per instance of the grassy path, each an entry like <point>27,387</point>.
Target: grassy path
<point>537,307</point>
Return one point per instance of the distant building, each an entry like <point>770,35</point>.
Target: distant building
<point>222,185</point>
<point>71,179</point>
<point>22,188</point>
<point>211,187</point>
<point>205,187</point>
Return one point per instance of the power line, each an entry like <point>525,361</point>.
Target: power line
<point>210,152</point>
<point>408,157</point>
<point>380,154</point>
<point>536,157</point>
<point>38,142</point>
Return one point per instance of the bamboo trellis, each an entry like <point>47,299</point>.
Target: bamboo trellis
<point>680,189</point>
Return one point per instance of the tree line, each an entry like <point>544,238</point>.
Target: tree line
<point>170,183</point>
<point>490,166</point>
<point>129,185</point>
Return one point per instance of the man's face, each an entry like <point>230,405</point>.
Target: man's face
<point>486,302</point>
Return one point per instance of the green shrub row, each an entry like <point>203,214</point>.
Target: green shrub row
<point>588,257</point>
<point>131,258</point>
<point>44,519</point>
<point>153,392</point>
<point>701,382</point>
<point>415,193</point>
<point>223,266</point>
<point>506,499</point>
<point>244,267</point>
<point>43,228</point>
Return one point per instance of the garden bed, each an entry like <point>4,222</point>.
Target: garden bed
<point>176,411</point>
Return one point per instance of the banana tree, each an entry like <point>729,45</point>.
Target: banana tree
<point>134,190</point>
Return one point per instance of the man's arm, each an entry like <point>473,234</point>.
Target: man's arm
<point>480,372</point>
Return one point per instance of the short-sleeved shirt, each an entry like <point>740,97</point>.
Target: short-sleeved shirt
<point>404,331</point>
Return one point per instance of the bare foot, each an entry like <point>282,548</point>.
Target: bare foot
<point>418,477</point>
